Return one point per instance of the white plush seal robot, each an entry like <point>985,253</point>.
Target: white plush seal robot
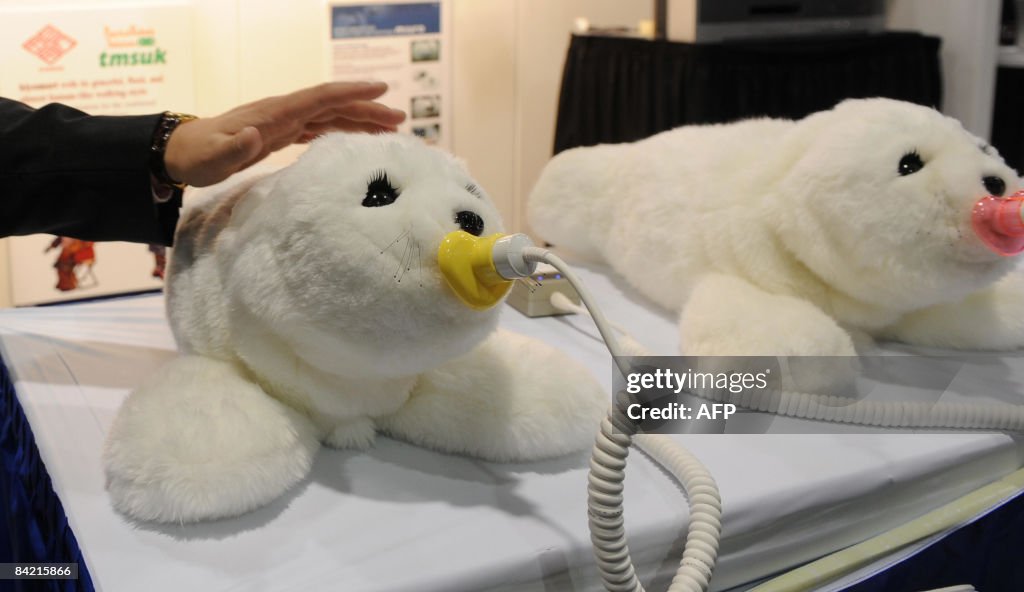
<point>773,237</point>
<point>309,307</point>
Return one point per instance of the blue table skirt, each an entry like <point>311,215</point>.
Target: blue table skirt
<point>987,553</point>
<point>33,525</point>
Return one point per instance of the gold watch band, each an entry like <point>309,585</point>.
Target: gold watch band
<point>169,121</point>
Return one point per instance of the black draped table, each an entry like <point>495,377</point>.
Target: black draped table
<point>620,89</point>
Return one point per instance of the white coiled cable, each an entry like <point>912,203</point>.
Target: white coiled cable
<point>607,473</point>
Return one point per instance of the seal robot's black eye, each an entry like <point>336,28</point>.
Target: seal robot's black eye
<point>994,185</point>
<point>910,164</point>
<point>380,191</point>
<point>470,222</point>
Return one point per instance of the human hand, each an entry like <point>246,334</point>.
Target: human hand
<point>208,150</point>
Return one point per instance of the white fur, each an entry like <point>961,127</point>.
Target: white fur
<point>496,403</point>
<point>306,317</point>
<point>201,440</point>
<point>778,237</point>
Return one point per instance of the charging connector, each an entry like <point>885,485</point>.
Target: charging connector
<point>538,294</point>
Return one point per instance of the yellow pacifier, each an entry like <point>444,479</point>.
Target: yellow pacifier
<point>467,263</point>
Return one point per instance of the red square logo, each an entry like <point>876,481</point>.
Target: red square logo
<point>49,44</point>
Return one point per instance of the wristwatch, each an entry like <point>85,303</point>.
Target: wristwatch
<point>169,121</point>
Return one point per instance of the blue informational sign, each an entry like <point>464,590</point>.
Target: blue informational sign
<point>380,20</point>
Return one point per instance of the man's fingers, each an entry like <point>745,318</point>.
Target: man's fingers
<point>282,120</point>
<point>278,137</point>
<point>380,118</point>
<point>361,116</point>
<point>214,148</point>
<point>345,124</point>
<point>361,110</point>
<point>365,111</point>
<point>311,102</point>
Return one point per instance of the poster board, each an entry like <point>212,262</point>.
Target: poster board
<point>105,59</point>
<point>406,44</point>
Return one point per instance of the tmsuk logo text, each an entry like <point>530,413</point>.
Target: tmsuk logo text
<point>134,46</point>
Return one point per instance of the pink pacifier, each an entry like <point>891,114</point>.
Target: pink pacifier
<point>999,223</point>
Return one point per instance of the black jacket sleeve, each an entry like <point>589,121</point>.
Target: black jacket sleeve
<point>68,173</point>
